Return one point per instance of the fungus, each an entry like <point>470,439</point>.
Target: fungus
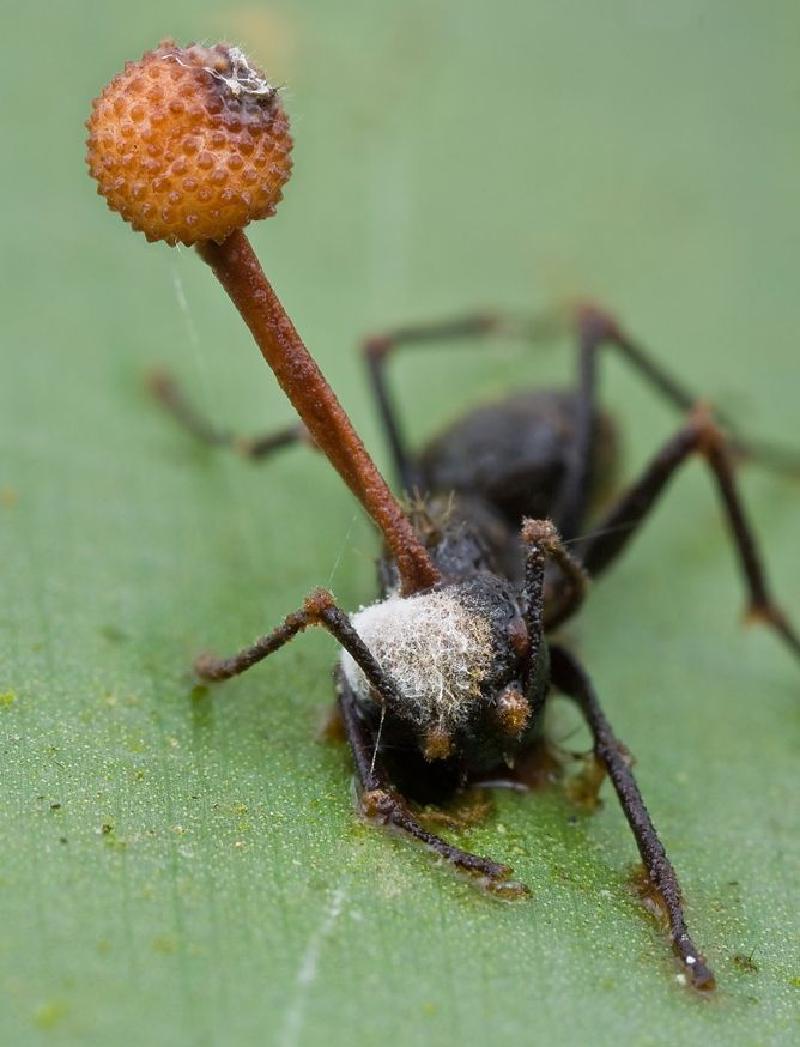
<point>189,145</point>
<point>437,650</point>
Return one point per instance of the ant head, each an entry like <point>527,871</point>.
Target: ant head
<point>457,656</point>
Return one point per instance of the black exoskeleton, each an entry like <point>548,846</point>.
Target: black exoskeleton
<point>438,687</point>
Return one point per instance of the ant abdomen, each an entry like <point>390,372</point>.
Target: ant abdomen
<point>515,452</point>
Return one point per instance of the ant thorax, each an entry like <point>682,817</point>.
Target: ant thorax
<point>447,652</point>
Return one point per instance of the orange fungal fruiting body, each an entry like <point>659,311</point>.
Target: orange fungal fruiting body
<point>189,144</point>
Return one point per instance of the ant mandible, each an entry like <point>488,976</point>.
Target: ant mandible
<point>448,674</point>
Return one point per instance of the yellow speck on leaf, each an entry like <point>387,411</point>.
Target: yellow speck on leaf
<point>50,1013</point>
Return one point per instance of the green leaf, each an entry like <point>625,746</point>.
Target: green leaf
<point>182,865</point>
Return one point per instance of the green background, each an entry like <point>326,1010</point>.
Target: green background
<point>448,155</point>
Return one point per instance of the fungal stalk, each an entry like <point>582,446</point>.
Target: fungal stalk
<point>189,145</point>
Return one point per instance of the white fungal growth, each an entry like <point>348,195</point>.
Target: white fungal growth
<point>433,646</point>
<point>244,79</point>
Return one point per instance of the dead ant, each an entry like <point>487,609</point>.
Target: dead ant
<point>439,688</point>
<point>448,674</point>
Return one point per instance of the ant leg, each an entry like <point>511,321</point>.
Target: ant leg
<point>319,608</point>
<point>699,435</point>
<point>596,330</point>
<point>378,800</point>
<point>383,804</point>
<point>769,456</point>
<point>378,348</point>
<point>170,396</point>
<point>570,677</point>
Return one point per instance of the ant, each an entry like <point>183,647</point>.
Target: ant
<point>437,688</point>
<point>447,675</point>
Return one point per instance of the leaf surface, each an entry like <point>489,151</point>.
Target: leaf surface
<point>186,867</point>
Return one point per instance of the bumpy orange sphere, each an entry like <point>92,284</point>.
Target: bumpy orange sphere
<point>189,144</point>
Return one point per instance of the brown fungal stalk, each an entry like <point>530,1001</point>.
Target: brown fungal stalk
<point>190,144</point>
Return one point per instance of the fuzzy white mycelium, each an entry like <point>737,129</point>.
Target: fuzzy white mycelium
<point>436,650</point>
